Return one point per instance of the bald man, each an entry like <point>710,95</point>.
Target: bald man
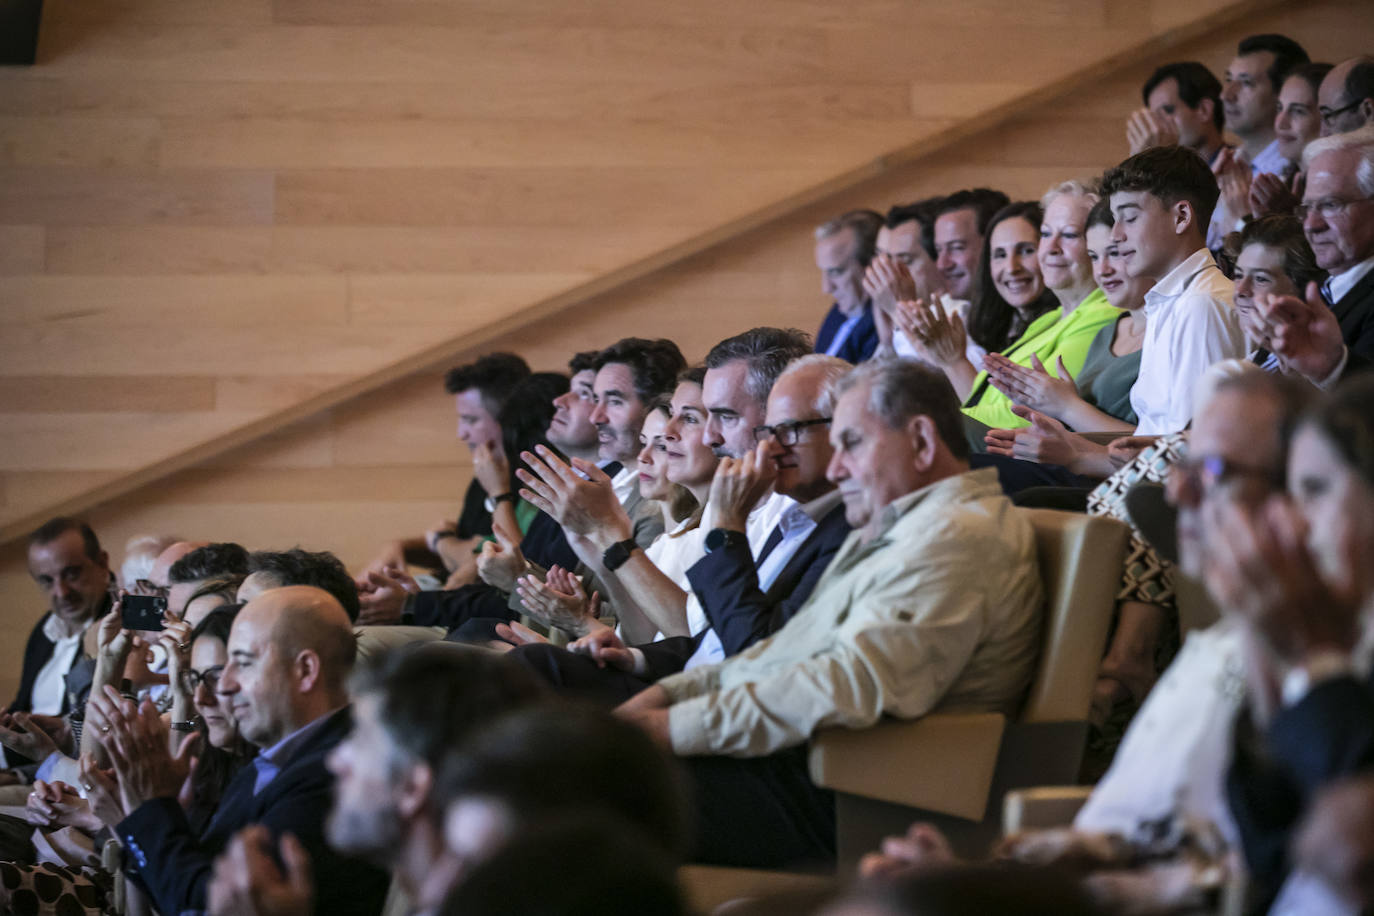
<point>289,655</point>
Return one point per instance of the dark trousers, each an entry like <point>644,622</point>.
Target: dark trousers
<point>761,812</point>
<point>579,676</point>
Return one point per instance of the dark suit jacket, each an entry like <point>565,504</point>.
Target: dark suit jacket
<point>175,865</point>
<point>860,343</point>
<point>1273,776</point>
<point>1355,312</point>
<point>727,582</point>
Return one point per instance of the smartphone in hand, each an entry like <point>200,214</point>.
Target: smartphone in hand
<point>143,612</point>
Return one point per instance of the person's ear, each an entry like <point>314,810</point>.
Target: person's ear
<point>307,669</point>
<point>1184,216</point>
<point>414,789</point>
<point>1206,109</point>
<point>103,561</point>
<point>924,440</point>
<point>1367,110</point>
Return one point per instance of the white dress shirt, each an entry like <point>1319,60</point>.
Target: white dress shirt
<point>1338,285</point>
<point>1189,325</point>
<point>673,552</point>
<point>50,686</point>
<point>624,483</point>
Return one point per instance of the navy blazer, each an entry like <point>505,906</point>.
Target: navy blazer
<point>1274,776</point>
<point>1355,312</point>
<point>726,580</point>
<point>175,865</point>
<point>860,343</point>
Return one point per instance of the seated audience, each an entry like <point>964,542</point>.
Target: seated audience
<point>1182,107</point>
<point>899,624</point>
<point>67,563</point>
<point>1297,124</point>
<point>1098,398</point>
<point>269,569</point>
<point>1346,96</point>
<point>903,266</point>
<point>1273,259</point>
<point>844,249</point>
<point>479,390</point>
<point>961,226</point>
<point>289,654</point>
<point>196,566</point>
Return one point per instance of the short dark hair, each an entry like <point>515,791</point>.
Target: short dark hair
<point>525,418</point>
<point>1359,82</point>
<point>303,567</point>
<point>217,623</point>
<point>1101,214</point>
<point>1283,231</point>
<point>653,364</point>
<point>1288,54</point>
<point>54,528</point>
<point>225,560</point>
<point>1313,74</point>
<point>992,323</point>
<point>603,762</point>
<point>904,388</point>
<point>923,212</point>
<point>493,376</point>
<point>582,361</point>
<point>433,696</point>
<point>1170,173</point>
<point>766,352</point>
<point>863,223</point>
<point>984,202</point>
<point>1195,83</point>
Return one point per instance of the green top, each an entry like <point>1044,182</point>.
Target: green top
<point>1049,337</point>
<point>1106,379</point>
<point>525,514</point>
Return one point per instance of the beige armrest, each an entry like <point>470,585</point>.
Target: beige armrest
<point>1042,807</point>
<point>942,763</point>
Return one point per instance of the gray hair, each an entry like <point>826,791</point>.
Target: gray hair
<point>831,370</point>
<point>767,351</point>
<point>904,388</point>
<point>865,224</point>
<point>1361,140</point>
<point>1074,187</point>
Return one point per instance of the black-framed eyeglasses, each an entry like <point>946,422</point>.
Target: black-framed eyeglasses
<point>191,678</point>
<point>1329,115</point>
<point>1208,471</point>
<point>786,433</point>
<point>1328,207</point>
<point>146,587</point>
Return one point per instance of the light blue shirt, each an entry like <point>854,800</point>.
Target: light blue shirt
<point>842,333</point>
<point>275,758</point>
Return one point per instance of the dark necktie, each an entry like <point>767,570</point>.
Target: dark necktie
<point>774,540</point>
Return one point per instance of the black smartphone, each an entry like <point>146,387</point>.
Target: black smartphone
<point>143,612</point>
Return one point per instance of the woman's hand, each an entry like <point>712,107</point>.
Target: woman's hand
<point>1032,387</point>
<point>135,738</point>
<point>59,805</point>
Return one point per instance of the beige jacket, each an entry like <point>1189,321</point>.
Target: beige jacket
<point>941,609</point>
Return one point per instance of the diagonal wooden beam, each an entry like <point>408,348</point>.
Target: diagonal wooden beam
<point>447,351</point>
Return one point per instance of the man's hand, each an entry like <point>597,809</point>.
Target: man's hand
<point>1034,387</point>
<point>1304,333</point>
<point>1233,178</point>
<point>247,881</point>
<point>513,635</point>
<point>21,734</point>
<point>558,601</point>
<point>1145,129</point>
<point>1046,440</point>
<point>501,562</point>
<point>739,485</point>
<point>648,709</point>
<point>1258,567</point>
<point>605,648</point>
<point>939,338</point>
<point>584,505</point>
<point>135,738</point>
<point>1269,194</point>
<point>490,467</point>
<point>887,281</point>
<point>59,805</point>
<point>382,596</point>
<point>438,531</point>
<point>922,846</point>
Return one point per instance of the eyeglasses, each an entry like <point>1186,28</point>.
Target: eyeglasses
<point>1329,115</point>
<point>1209,471</point>
<point>1328,207</point>
<point>191,678</point>
<point>786,433</point>
<point>146,587</point>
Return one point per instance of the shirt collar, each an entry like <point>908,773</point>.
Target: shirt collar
<point>946,489</point>
<point>625,481</point>
<point>821,506</point>
<point>1175,282</point>
<point>1342,283</point>
<point>280,754</point>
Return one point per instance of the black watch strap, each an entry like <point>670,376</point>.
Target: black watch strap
<point>618,553</point>
<point>725,537</point>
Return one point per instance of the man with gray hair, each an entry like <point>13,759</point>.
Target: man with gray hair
<point>844,248</point>
<point>1346,96</point>
<point>933,601</point>
<point>1337,214</point>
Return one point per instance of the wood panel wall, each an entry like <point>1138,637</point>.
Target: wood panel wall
<point>211,210</point>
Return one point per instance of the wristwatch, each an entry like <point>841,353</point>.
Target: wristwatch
<point>491,502</point>
<point>618,553</point>
<point>725,537</point>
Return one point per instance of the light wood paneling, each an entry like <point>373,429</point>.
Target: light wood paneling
<point>257,201</point>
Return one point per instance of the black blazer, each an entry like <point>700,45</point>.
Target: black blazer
<point>727,582</point>
<point>1355,312</point>
<point>175,865</point>
<point>1274,775</point>
<point>860,343</point>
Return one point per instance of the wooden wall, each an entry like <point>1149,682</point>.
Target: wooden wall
<point>211,210</point>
